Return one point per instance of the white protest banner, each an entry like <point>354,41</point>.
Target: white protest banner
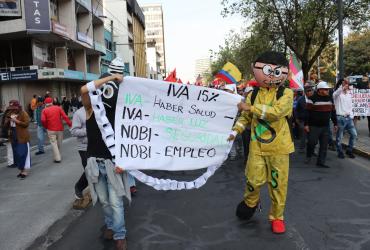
<point>170,126</point>
<point>360,102</point>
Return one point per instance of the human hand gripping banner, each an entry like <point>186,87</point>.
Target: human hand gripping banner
<point>170,126</point>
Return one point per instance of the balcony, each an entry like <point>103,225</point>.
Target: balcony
<point>72,74</point>
<point>60,29</point>
<point>91,76</point>
<point>82,37</point>
<point>100,47</point>
<point>85,6</point>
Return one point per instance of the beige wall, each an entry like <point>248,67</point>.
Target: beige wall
<point>83,23</point>
<point>61,58</point>
<point>67,16</point>
<point>99,33</point>
<point>95,64</point>
<point>80,60</point>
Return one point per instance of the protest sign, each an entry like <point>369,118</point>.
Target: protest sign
<point>170,126</point>
<point>360,102</point>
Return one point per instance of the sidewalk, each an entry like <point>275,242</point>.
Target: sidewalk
<point>362,144</point>
<point>29,207</point>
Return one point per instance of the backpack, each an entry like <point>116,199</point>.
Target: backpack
<point>279,93</point>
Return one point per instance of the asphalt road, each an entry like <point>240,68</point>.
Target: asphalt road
<point>326,209</point>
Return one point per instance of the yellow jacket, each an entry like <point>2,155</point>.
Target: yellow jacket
<point>270,129</point>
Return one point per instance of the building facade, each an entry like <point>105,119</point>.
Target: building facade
<point>202,67</point>
<point>50,45</point>
<point>128,34</point>
<point>155,31</point>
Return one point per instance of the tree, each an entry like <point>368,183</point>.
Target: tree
<point>305,26</point>
<point>357,53</point>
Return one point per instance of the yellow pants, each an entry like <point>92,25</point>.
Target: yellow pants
<point>273,169</point>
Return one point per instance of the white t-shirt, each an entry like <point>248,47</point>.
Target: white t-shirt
<point>343,102</point>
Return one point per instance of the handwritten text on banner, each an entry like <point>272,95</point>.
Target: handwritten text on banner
<point>170,126</point>
<point>361,102</point>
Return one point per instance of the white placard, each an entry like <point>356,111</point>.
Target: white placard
<point>360,102</point>
<point>170,126</point>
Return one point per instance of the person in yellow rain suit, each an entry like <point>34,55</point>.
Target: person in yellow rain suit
<point>267,111</point>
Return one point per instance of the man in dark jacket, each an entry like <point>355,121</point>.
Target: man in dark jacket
<point>320,109</point>
<point>301,114</point>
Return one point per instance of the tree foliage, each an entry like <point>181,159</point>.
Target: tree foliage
<point>357,53</point>
<point>306,27</point>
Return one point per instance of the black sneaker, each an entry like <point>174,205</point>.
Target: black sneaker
<point>350,154</point>
<point>39,153</point>
<point>57,161</point>
<point>321,165</point>
<point>79,195</point>
<point>12,166</point>
<point>341,155</point>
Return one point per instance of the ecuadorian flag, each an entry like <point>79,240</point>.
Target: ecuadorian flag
<point>229,73</point>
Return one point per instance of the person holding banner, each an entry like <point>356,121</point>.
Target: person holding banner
<point>267,110</point>
<point>108,183</point>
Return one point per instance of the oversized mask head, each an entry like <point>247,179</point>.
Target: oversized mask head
<point>270,69</point>
<point>110,89</point>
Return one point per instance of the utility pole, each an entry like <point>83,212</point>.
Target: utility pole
<point>340,38</point>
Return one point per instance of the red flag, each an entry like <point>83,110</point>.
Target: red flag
<point>171,77</point>
<point>179,80</point>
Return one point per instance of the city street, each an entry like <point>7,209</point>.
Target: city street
<point>326,209</point>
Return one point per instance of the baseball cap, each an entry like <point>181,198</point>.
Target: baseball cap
<point>322,85</point>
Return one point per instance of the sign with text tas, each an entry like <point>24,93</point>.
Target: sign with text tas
<point>361,102</point>
<point>170,126</point>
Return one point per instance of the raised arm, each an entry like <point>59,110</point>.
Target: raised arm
<point>96,84</point>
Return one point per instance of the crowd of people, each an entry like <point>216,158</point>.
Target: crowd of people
<point>311,116</point>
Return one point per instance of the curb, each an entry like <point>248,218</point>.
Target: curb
<point>358,151</point>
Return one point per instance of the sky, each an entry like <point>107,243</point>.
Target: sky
<point>191,29</point>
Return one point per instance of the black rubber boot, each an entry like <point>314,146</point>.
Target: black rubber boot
<point>244,212</point>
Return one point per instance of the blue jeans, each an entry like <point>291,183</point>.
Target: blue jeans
<point>112,204</point>
<point>131,180</point>
<point>345,123</point>
<point>41,138</point>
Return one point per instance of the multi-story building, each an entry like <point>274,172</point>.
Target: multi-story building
<point>128,33</point>
<point>50,45</point>
<point>153,60</point>
<point>202,67</point>
<point>155,31</point>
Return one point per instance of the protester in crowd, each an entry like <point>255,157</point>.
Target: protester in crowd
<point>33,106</point>
<point>17,122</point>
<point>78,130</point>
<point>5,135</point>
<point>66,104</point>
<point>108,183</point>
<point>297,95</point>
<point>267,111</point>
<point>343,105</point>
<point>56,101</point>
<point>41,131</point>
<point>74,103</point>
<point>320,109</point>
<point>301,115</point>
<point>47,94</point>
<point>51,119</point>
